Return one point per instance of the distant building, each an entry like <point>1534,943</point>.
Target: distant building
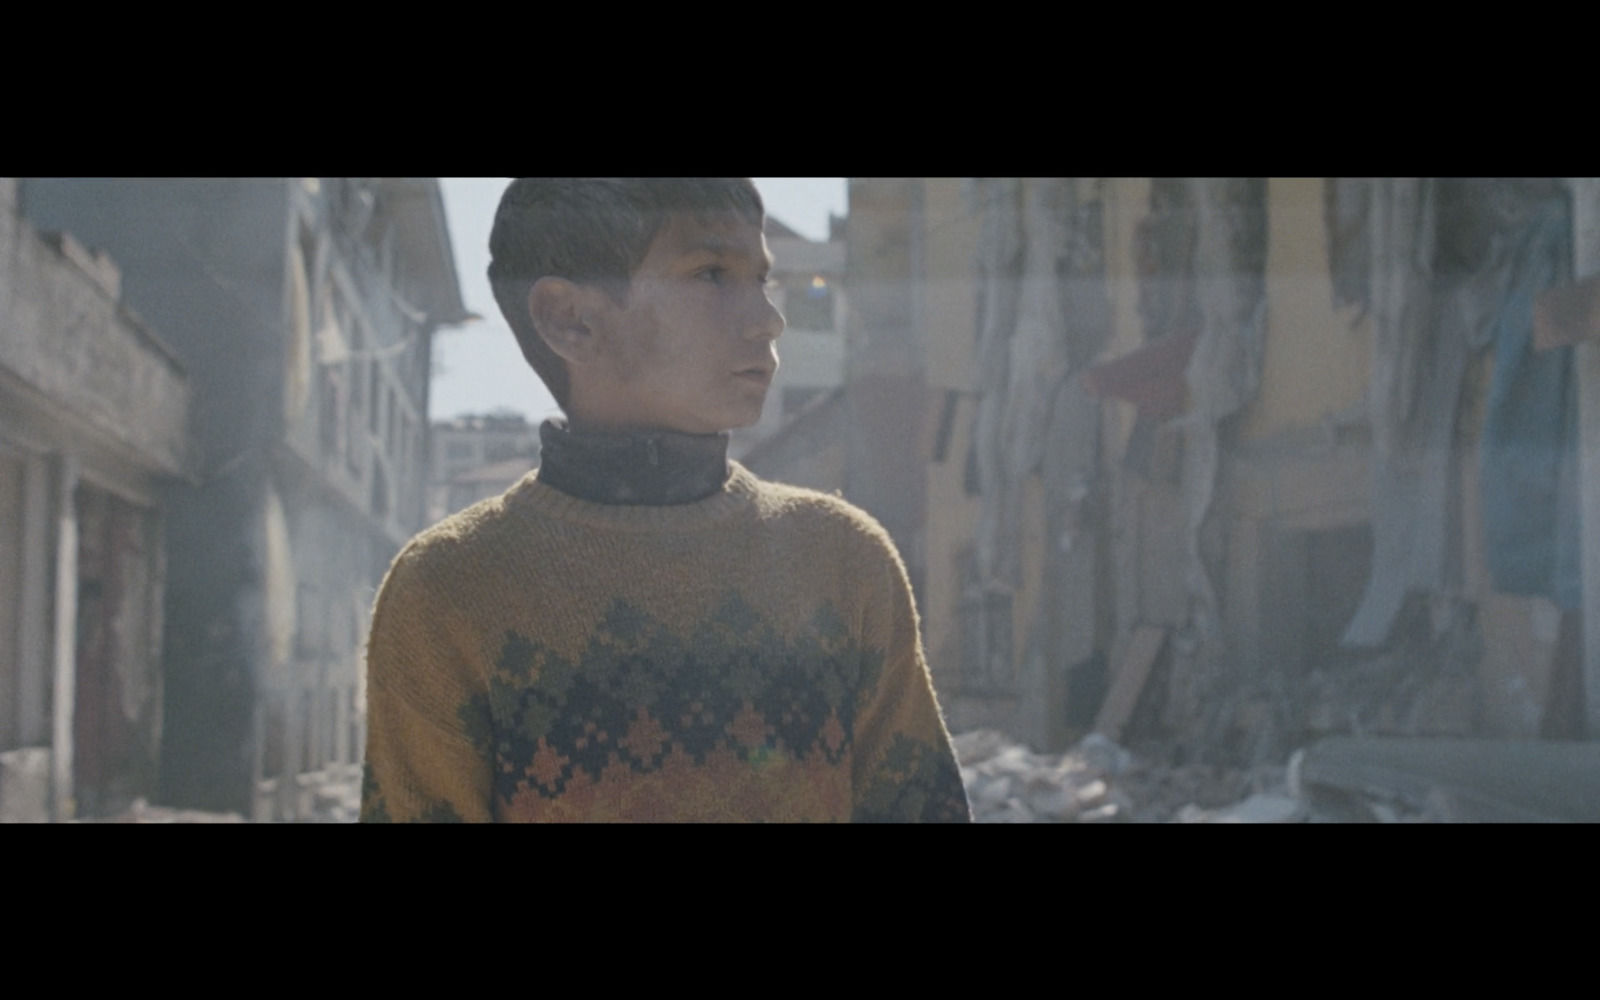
<point>94,436</point>
<point>477,457</point>
<point>304,310</point>
<point>466,488</point>
<point>808,288</point>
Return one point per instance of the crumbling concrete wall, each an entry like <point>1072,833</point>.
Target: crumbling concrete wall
<point>94,428</point>
<point>117,710</point>
<point>303,308</point>
<point>203,260</point>
<point>69,338</point>
<point>1040,272</point>
<point>1363,436</point>
<point>1292,352</point>
<point>1472,514</point>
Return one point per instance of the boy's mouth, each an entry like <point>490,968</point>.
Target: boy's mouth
<point>756,373</point>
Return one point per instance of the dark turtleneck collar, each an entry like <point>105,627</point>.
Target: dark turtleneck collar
<point>647,468</point>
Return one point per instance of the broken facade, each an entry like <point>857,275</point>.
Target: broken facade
<point>1241,462</point>
<point>94,440</point>
<point>303,309</point>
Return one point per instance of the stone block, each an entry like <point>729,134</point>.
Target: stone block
<point>25,785</point>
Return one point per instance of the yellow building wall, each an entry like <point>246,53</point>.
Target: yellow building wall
<point>949,320</point>
<point>1316,366</point>
<point>1127,201</point>
<point>949,299</point>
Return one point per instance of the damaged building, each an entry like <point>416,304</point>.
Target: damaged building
<point>1235,462</point>
<point>303,311</point>
<point>94,440</point>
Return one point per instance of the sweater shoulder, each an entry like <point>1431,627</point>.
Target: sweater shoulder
<point>468,527</point>
<point>813,510</point>
<point>461,542</point>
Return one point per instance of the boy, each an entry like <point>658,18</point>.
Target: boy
<point>642,630</point>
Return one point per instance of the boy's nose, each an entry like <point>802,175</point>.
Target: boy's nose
<point>768,323</point>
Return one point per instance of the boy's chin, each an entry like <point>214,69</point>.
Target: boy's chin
<point>733,421</point>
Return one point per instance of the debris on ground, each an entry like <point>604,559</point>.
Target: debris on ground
<point>1334,780</point>
<point>25,785</point>
<point>332,795</point>
<point>142,811</point>
<point>1097,781</point>
<point>1451,780</point>
<point>336,797</point>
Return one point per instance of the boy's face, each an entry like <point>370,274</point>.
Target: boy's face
<point>693,348</point>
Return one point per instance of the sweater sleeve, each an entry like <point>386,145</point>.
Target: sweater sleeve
<point>428,751</point>
<point>905,766</point>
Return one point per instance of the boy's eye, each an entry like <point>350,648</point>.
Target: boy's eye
<point>718,275</point>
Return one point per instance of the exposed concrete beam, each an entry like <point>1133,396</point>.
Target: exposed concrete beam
<point>1471,780</point>
<point>1586,262</point>
<point>66,644</point>
<point>1588,365</point>
<point>33,635</point>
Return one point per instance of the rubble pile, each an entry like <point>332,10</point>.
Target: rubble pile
<point>336,796</point>
<point>332,795</point>
<point>1007,783</point>
<point>1098,781</point>
<point>1339,780</point>
<point>1335,780</point>
<point>141,811</point>
<point>1427,684</point>
<point>1382,697</point>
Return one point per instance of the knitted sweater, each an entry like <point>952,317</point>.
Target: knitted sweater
<point>751,656</point>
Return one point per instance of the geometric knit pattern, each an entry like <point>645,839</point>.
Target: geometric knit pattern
<point>751,657</point>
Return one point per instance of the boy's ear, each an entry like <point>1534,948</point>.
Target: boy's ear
<point>559,309</point>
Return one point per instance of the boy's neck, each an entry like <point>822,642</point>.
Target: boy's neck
<point>632,467</point>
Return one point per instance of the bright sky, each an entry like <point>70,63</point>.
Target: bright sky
<point>478,367</point>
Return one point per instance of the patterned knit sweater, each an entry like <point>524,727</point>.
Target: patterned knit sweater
<point>753,655</point>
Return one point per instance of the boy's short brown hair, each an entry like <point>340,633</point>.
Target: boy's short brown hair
<point>595,231</point>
